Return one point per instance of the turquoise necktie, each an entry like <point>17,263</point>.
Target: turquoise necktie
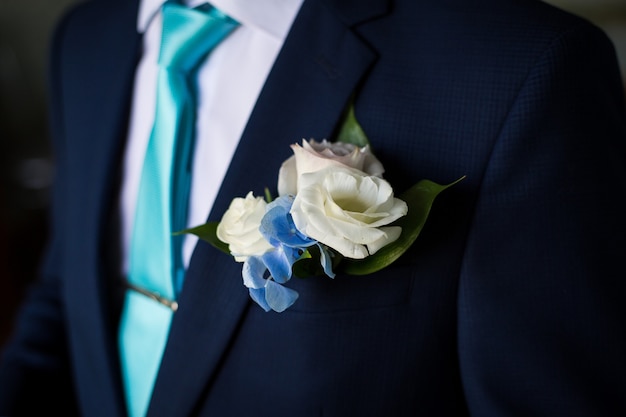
<point>155,257</point>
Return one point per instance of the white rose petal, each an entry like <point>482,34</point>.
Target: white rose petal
<point>314,156</point>
<point>239,227</point>
<point>392,233</point>
<point>345,209</point>
<point>288,177</point>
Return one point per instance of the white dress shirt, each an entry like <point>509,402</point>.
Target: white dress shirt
<point>229,83</point>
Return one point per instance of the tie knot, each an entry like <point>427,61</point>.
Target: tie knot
<point>190,34</point>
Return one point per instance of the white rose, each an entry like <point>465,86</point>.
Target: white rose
<point>345,209</point>
<point>239,227</point>
<point>313,156</point>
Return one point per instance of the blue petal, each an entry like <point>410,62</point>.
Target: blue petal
<point>279,298</point>
<point>253,272</point>
<point>291,236</point>
<point>326,259</point>
<point>273,224</point>
<point>258,295</point>
<point>278,264</point>
<point>285,202</point>
<point>277,225</point>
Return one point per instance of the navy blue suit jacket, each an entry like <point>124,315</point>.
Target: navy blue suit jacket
<point>511,303</point>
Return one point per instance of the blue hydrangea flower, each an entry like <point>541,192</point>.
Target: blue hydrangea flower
<point>264,275</point>
<point>278,228</point>
<point>266,292</point>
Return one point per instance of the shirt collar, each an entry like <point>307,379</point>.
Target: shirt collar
<point>271,16</point>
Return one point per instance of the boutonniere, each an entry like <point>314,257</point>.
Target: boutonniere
<point>334,213</point>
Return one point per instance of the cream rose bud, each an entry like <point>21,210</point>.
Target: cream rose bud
<point>313,156</point>
<point>346,210</point>
<point>239,227</point>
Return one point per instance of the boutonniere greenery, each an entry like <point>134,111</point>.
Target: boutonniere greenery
<point>334,214</point>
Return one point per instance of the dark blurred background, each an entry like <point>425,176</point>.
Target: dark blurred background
<point>26,164</point>
<point>26,168</point>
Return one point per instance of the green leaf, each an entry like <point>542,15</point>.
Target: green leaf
<point>419,199</point>
<point>351,131</point>
<point>208,233</point>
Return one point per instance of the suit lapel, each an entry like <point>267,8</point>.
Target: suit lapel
<point>99,67</point>
<point>319,67</point>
